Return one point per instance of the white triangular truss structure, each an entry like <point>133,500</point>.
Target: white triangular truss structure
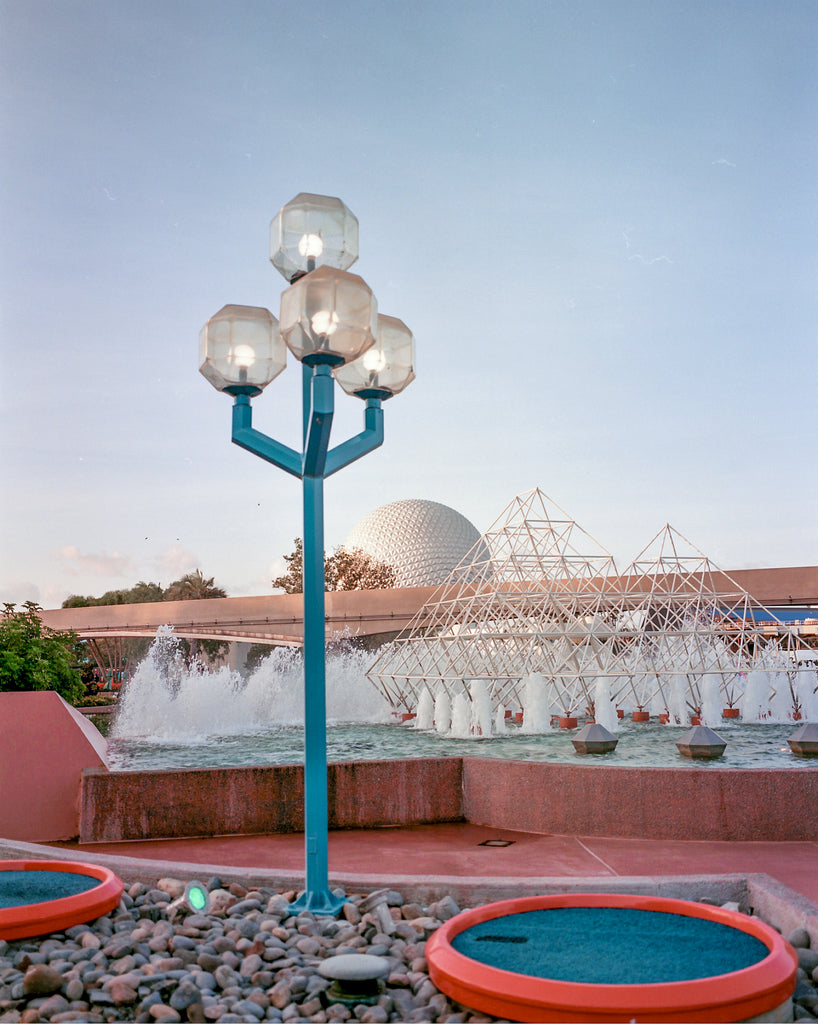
<point>687,633</point>
<point>538,596</point>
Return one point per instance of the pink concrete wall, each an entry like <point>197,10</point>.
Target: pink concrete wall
<point>44,746</point>
<point>369,794</point>
<point>650,803</point>
<point>217,801</point>
<point>691,802</point>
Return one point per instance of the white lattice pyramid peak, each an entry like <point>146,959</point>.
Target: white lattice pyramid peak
<point>534,529</point>
<point>671,552</point>
<point>671,631</point>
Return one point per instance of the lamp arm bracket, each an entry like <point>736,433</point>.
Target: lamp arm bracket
<point>318,422</point>
<point>370,438</point>
<point>252,440</point>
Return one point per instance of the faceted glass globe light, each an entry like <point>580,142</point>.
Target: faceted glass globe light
<point>313,231</point>
<point>240,349</point>
<point>386,368</point>
<point>328,316</point>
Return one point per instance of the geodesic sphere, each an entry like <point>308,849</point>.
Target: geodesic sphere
<point>422,540</point>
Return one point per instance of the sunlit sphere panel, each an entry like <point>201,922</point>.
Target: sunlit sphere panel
<point>422,540</point>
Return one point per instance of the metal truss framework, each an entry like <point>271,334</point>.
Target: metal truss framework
<point>538,596</point>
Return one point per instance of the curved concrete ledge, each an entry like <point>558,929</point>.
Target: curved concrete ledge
<point>772,901</point>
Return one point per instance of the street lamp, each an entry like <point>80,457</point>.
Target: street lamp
<point>329,321</point>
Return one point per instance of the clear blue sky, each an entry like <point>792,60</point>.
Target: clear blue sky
<point>600,219</point>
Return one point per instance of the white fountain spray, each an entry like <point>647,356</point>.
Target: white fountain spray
<point>806,688</point>
<point>604,707</point>
<point>781,702</point>
<point>755,699</point>
<point>167,700</point>
<point>480,708</point>
<point>536,716</point>
<point>425,718</point>
<point>679,711</point>
<point>711,701</point>
<point>500,720</point>
<point>443,713</point>
<point>461,717</point>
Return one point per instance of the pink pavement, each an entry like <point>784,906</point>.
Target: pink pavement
<point>453,851</point>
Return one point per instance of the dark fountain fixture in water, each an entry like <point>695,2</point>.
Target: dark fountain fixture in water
<point>804,741</point>
<point>701,743</point>
<point>594,739</point>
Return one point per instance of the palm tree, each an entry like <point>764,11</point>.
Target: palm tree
<point>193,587</point>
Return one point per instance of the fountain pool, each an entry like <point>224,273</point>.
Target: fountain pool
<point>640,745</point>
<point>174,717</point>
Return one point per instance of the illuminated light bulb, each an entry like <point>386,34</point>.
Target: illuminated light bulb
<point>374,360</point>
<point>244,356</point>
<point>324,323</point>
<point>310,246</point>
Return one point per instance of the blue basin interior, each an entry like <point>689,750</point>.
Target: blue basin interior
<point>610,945</point>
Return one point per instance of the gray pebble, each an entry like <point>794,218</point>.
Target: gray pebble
<point>799,937</point>
<point>244,907</point>
<point>249,1009</point>
<point>250,961</point>
<point>185,995</point>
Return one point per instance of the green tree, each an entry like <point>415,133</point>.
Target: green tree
<point>115,653</point>
<point>34,657</point>
<point>355,570</point>
<point>121,653</point>
<point>193,586</point>
<point>343,570</point>
<point>145,593</point>
<point>292,582</point>
<point>138,594</point>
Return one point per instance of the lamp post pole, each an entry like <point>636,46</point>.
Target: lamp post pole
<point>329,321</point>
<point>316,813</point>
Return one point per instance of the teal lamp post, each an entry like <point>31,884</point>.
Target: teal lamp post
<point>329,321</point>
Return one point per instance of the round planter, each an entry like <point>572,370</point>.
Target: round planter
<point>568,723</point>
<point>641,716</point>
<point>764,986</point>
<point>24,883</point>
<point>731,713</point>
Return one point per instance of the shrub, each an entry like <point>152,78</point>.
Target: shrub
<point>34,657</point>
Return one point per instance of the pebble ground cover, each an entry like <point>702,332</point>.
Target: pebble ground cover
<point>247,959</point>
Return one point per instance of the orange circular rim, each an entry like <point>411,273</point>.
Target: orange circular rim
<point>736,996</point>
<point>56,915</point>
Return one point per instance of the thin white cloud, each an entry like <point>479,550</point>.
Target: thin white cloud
<point>639,258</point>
<point>101,564</point>
<point>19,591</point>
<point>174,562</point>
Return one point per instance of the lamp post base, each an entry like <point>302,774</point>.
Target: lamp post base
<point>322,902</point>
